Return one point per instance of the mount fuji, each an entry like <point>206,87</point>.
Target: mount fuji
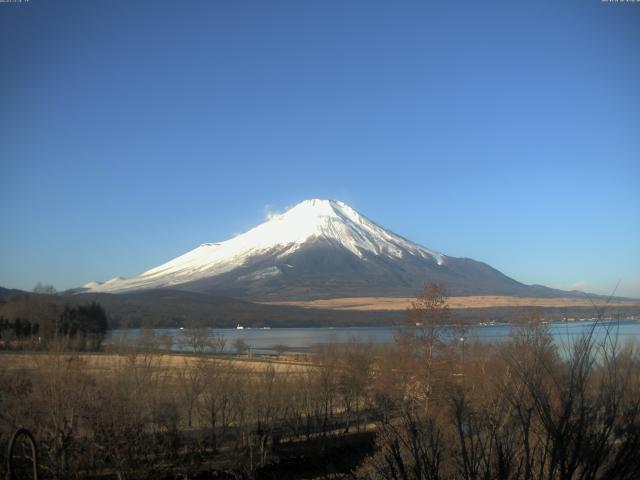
<point>320,249</point>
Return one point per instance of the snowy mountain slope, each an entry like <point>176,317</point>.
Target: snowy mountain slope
<point>318,248</point>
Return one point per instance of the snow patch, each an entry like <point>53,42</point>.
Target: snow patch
<point>260,274</point>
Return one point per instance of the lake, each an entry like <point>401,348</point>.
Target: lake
<point>263,341</point>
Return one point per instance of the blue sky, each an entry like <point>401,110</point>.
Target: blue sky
<point>508,132</point>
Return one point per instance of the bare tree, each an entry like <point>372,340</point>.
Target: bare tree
<point>354,379</point>
<point>422,339</point>
<point>240,346</point>
<point>191,383</point>
<point>196,339</point>
<point>216,405</point>
<point>280,349</point>
<point>44,289</point>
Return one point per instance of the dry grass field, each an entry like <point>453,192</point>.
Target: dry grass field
<point>401,303</point>
<point>169,362</point>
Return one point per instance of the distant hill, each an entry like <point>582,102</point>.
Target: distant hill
<point>7,293</point>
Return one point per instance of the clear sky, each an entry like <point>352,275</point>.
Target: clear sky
<point>133,131</point>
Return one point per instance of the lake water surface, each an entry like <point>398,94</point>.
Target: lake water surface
<point>263,341</point>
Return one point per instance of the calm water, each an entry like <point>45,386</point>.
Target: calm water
<point>263,341</point>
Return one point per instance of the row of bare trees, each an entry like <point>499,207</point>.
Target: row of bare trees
<point>522,410</point>
<point>140,411</point>
<point>529,408</point>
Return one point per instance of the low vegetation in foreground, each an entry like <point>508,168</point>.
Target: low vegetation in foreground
<point>426,407</point>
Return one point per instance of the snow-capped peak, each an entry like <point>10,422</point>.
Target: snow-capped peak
<point>281,235</point>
